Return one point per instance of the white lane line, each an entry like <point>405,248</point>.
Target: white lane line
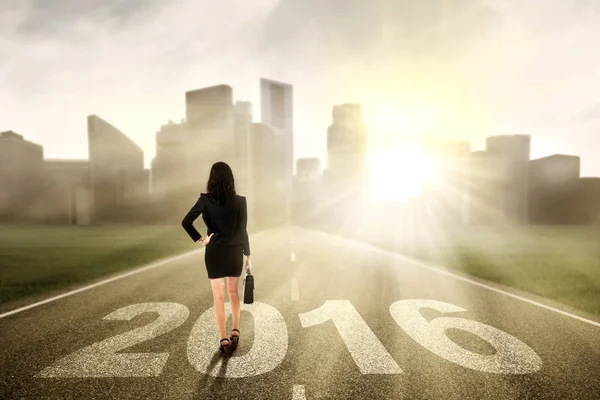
<point>114,278</point>
<point>298,393</point>
<point>295,290</point>
<point>292,256</point>
<point>443,271</point>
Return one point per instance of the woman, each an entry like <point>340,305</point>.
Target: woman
<point>225,214</point>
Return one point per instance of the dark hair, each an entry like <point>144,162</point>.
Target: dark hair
<point>221,185</point>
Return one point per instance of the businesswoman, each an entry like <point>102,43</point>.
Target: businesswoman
<point>225,214</point>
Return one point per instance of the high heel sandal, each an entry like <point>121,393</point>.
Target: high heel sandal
<point>234,338</point>
<point>224,347</point>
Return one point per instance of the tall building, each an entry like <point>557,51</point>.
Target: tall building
<point>116,173</point>
<point>307,188</point>
<point>268,177</point>
<point>346,177</point>
<point>242,111</point>
<point>169,166</point>
<point>553,182</point>
<point>485,177</point>
<point>68,194</point>
<point>22,179</point>
<point>276,100</point>
<point>446,194</point>
<point>211,134</point>
<point>588,200</point>
<point>512,153</point>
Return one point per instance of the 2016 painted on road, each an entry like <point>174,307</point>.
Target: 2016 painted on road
<point>101,359</point>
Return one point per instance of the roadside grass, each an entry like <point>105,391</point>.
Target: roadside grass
<point>38,259</point>
<point>561,263</point>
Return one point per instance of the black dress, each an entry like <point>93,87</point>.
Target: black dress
<point>228,224</point>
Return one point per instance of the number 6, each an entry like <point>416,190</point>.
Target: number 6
<point>512,356</point>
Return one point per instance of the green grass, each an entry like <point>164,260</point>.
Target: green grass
<point>39,259</point>
<point>558,263</point>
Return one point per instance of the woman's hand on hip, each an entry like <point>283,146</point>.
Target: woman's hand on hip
<point>206,239</point>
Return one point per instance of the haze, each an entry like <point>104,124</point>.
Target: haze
<point>459,69</point>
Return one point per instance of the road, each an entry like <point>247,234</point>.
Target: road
<point>333,319</point>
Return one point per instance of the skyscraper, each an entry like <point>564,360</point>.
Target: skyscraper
<point>21,178</point>
<point>512,153</point>
<point>116,172</point>
<point>446,195</point>
<point>307,188</point>
<point>211,133</point>
<point>347,152</point>
<point>553,183</point>
<point>268,177</point>
<point>277,112</point>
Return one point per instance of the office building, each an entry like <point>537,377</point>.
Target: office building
<point>116,173</point>
<point>169,166</point>
<point>510,155</point>
<point>553,183</point>
<point>22,179</point>
<point>68,194</point>
<point>268,176</point>
<point>445,194</point>
<point>347,153</point>
<point>307,189</point>
<point>211,134</point>
<point>242,111</point>
<point>277,112</point>
<point>588,200</point>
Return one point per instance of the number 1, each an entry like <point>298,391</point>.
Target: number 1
<point>367,351</point>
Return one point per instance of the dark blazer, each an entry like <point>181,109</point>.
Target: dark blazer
<point>228,222</point>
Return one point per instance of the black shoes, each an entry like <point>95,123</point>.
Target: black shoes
<point>223,348</point>
<point>234,338</point>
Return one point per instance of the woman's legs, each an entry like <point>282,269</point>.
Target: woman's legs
<point>234,298</point>
<point>218,290</point>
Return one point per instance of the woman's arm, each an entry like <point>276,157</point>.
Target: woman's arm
<point>243,228</point>
<point>188,220</point>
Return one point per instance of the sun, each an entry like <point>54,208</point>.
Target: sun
<point>397,167</point>
<point>397,174</point>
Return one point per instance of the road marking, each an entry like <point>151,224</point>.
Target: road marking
<point>72,292</point>
<point>293,257</point>
<point>369,354</point>
<point>298,393</point>
<point>267,349</point>
<point>103,359</point>
<point>295,290</point>
<point>511,356</point>
<point>443,271</point>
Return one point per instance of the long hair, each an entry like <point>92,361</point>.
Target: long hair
<point>221,185</point>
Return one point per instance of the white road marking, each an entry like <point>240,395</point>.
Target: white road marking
<point>298,393</point>
<point>295,290</point>
<point>511,355</point>
<point>268,349</point>
<point>103,360</point>
<point>365,348</point>
<point>114,278</point>
<point>444,271</point>
<point>293,257</point>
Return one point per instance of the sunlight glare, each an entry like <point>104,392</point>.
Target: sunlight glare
<point>397,174</point>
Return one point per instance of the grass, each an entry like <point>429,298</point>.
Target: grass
<point>39,259</point>
<point>558,263</point>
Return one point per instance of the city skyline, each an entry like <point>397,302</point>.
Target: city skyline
<point>517,69</point>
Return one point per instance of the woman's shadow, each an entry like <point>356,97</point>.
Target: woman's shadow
<point>210,380</point>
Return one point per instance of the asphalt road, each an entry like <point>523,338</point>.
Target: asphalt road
<point>333,319</point>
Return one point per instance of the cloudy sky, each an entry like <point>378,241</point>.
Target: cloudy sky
<point>462,69</point>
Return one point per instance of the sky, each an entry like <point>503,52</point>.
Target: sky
<point>459,69</point>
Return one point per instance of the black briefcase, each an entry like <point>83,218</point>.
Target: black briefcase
<point>248,288</point>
